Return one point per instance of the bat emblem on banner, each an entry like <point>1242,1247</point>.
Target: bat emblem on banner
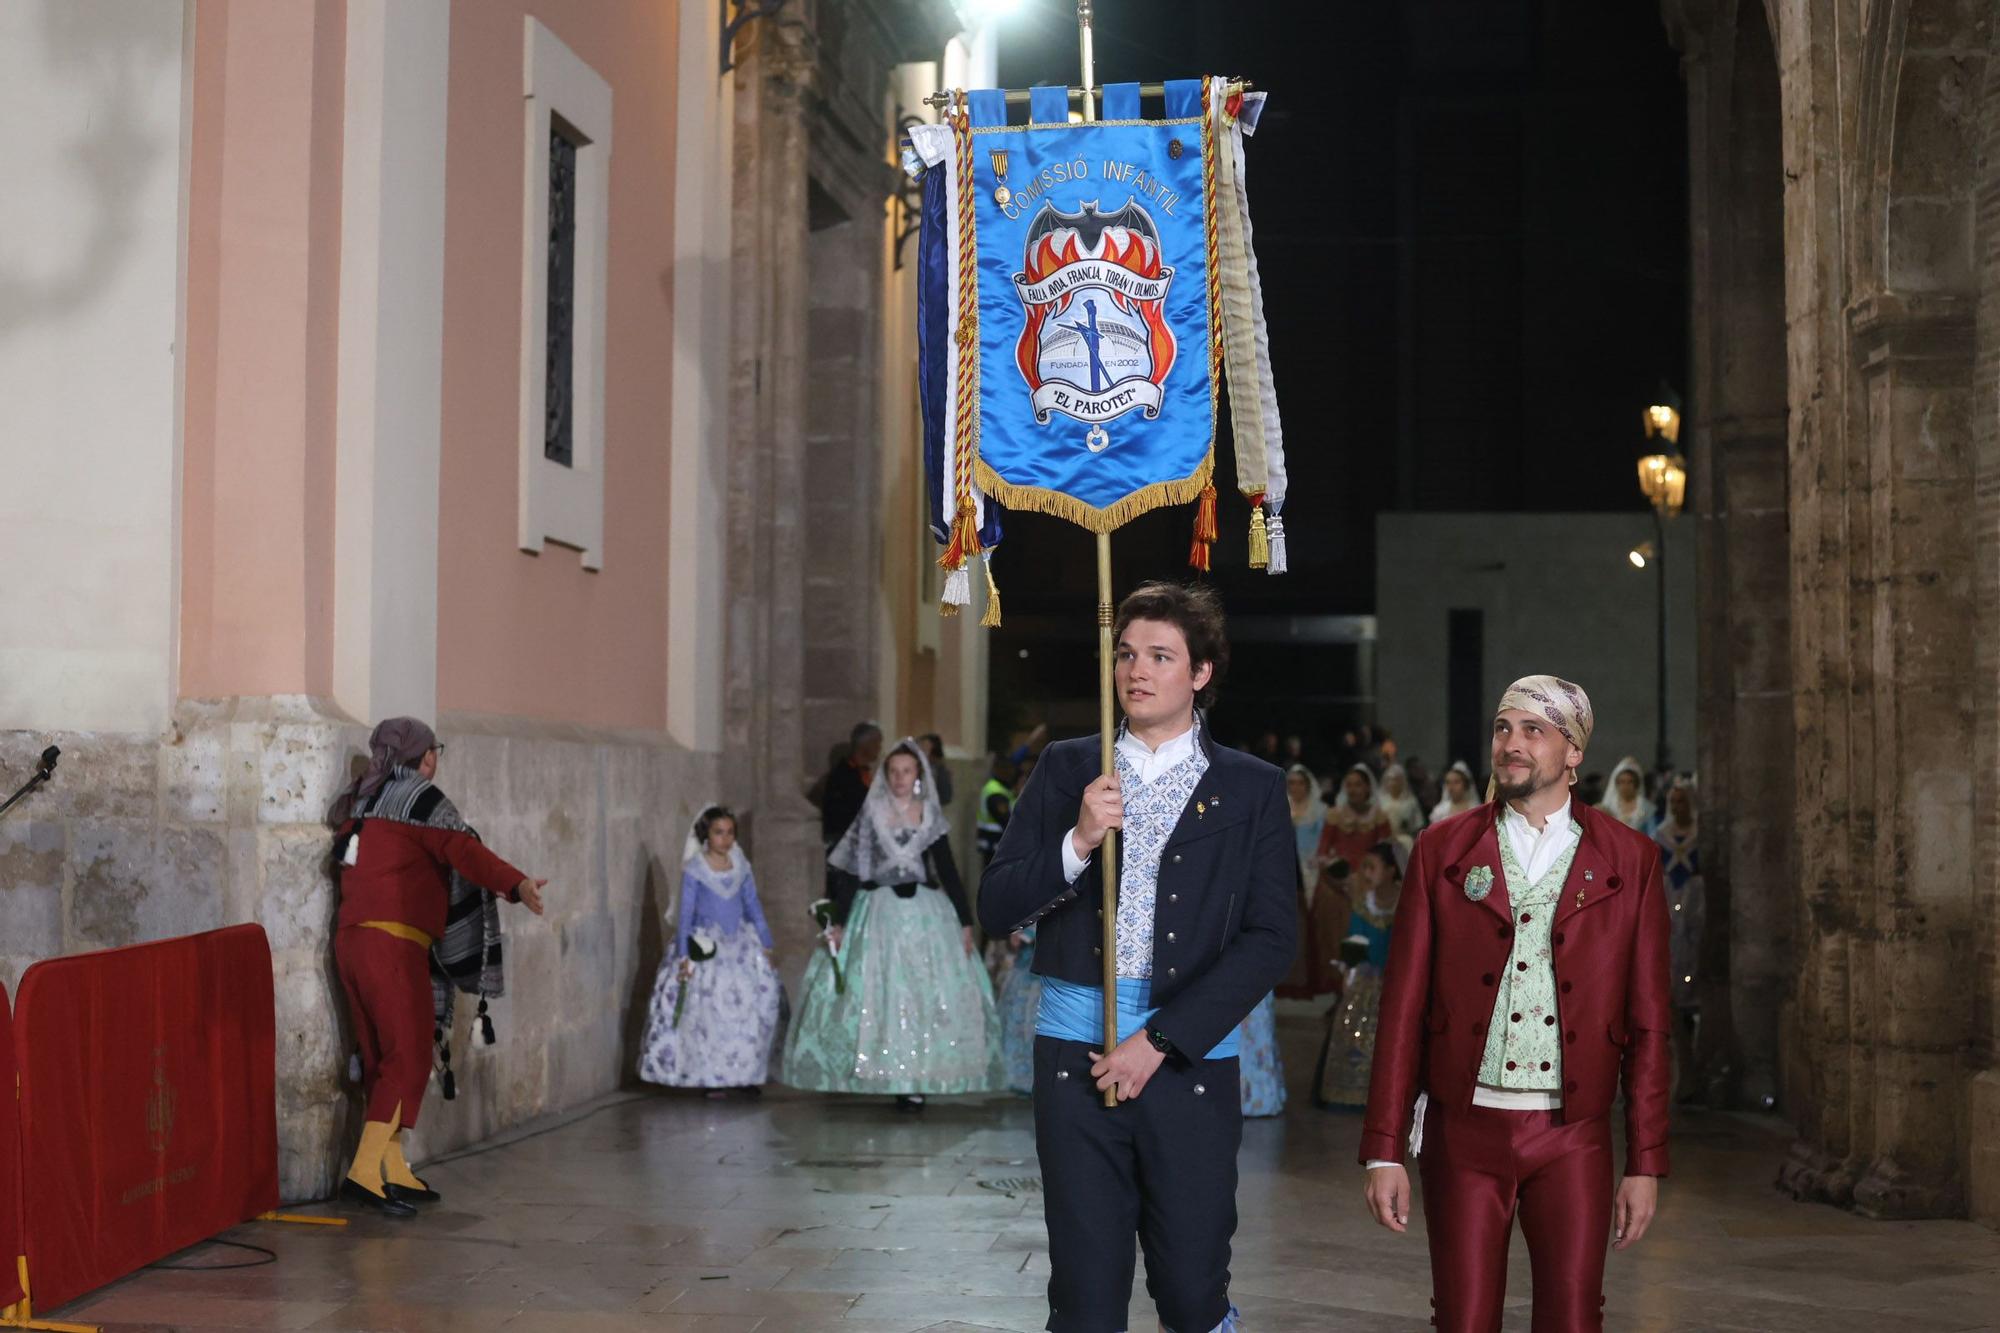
<point>1095,341</point>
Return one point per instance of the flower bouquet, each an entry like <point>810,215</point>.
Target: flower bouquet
<point>701,948</point>
<point>821,911</point>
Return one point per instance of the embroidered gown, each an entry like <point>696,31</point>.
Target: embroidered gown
<point>1020,1000</point>
<point>918,1013</point>
<point>1349,1051</point>
<point>731,1009</point>
<point>1680,861</point>
<point>1262,1071</point>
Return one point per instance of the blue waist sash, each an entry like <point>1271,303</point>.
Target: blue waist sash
<point>1071,1012</point>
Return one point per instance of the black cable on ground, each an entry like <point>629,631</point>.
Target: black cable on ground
<point>270,1257</point>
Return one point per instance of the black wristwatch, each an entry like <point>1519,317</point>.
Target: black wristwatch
<point>1159,1040</point>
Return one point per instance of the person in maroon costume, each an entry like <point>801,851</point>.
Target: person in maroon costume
<point>1518,994</point>
<point>398,842</point>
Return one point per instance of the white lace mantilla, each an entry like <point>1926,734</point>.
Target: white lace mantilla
<point>722,883</point>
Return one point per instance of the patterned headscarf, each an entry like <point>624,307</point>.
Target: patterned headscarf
<point>1564,704</point>
<point>396,742</point>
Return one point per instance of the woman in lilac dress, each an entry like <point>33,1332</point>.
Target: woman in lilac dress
<point>730,1007</point>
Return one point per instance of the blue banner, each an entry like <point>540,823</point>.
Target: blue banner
<point>1095,311</point>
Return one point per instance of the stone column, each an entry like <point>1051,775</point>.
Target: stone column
<point>1832,822</point>
<point>763,729</point>
<point>1983,1131</point>
<point>1736,439</point>
<point>1915,362</point>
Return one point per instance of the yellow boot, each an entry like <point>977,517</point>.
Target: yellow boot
<point>363,1183</point>
<point>399,1182</point>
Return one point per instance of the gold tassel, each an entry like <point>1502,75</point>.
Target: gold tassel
<point>964,542</point>
<point>1205,531</point>
<point>991,620</point>
<point>1260,541</point>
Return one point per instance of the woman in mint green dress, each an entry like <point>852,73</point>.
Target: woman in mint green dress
<point>912,1011</point>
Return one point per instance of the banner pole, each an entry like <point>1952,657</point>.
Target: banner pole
<point>1106,720</point>
<point>1106,653</point>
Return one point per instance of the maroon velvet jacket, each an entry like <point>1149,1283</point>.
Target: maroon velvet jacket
<point>1612,985</point>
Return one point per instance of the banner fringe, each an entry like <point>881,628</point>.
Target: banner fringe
<point>1260,545</point>
<point>1277,527</point>
<point>1040,500</point>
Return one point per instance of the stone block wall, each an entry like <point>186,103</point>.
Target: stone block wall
<point>220,822</point>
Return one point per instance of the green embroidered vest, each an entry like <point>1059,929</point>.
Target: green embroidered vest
<point>1524,1040</point>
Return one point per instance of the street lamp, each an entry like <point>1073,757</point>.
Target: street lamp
<point>1663,479</point>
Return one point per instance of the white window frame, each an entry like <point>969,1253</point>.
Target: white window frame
<point>557,503</point>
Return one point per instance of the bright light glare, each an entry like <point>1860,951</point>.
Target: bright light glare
<point>1637,557</point>
<point>993,9</point>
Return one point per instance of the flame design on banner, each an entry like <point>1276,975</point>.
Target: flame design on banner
<point>1074,261</point>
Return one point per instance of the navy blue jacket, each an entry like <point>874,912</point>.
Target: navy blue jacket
<point>1225,926</point>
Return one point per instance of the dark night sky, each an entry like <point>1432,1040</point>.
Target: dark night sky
<point>1471,222</point>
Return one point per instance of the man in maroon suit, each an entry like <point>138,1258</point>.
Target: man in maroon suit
<point>1527,976</point>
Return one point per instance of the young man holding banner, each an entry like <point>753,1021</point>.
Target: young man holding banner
<point>1206,927</point>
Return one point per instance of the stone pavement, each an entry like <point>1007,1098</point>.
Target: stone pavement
<point>795,1214</point>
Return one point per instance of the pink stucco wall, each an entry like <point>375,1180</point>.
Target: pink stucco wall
<point>537,635</point>
<point>263,276</point>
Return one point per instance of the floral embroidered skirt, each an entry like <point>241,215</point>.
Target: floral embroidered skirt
<point>731,1010</point>
<point>918,1013</point>
<point>1020,1005</point>
<point>1349,1053</point>
<point>1262,1071</point>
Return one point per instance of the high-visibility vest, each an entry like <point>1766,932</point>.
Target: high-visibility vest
<point>993,787</point>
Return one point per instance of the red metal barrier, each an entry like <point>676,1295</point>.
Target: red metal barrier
<point>11,1244</point>
<point>148,1092</point>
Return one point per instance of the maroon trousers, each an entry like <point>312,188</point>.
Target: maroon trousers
<point>1480,1166</point>
<point>388,985</point>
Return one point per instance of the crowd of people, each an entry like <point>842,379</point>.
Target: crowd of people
<point>1222,908</point>
<point>1353,830</point>
<point>902,998</point>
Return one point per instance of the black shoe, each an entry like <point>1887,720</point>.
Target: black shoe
<point>353,1191</point>
<point>911,1102</point>
<point>411,1194</point>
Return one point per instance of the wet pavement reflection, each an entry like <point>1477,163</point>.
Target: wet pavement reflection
<point>791,1213</point>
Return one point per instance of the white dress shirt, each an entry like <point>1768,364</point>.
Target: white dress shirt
<point>1538,850</point>
<point>1149,763</point>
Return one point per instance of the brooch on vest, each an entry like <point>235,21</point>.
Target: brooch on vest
<point>1478,882</point>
